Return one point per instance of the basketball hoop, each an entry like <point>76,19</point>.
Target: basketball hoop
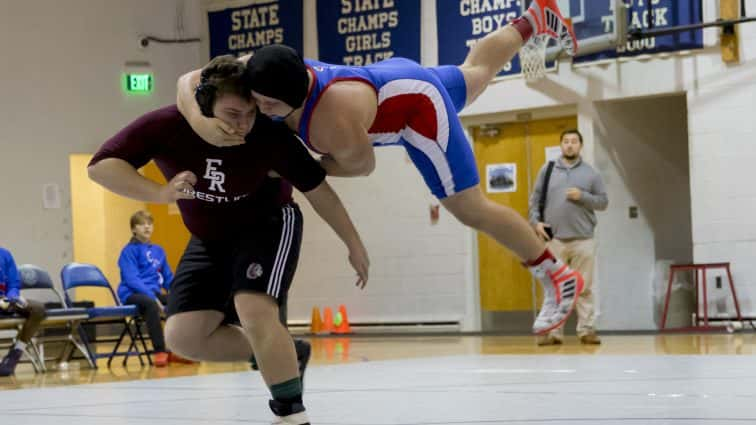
<point>533,58</point>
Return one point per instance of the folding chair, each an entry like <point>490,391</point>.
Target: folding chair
<point>77,275</point>
<point>10,325</point>
<point>35,280</point>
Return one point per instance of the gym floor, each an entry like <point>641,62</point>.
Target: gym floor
<point>419,380</point>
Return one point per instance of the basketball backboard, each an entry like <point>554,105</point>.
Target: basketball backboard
<point>602,26</point>
<point>594,22</point>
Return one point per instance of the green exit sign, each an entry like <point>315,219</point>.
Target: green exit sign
<point>139,83</point>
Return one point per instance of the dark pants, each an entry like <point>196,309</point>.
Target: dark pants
<point>33,312</point>
<point>151,313</point>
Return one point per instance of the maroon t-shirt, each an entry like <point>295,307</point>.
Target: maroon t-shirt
<point>233,189</point>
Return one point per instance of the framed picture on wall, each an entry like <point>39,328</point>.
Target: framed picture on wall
<point>501,178</point>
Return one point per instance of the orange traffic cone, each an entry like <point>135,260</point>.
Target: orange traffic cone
<point>343,326</point>
<point>316,324</point>
<point>327,320</point>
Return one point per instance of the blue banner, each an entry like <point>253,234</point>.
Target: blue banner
<point>645,14</point>
<point>243,30</point>
<point>461,23</point>
<point>361,32</point>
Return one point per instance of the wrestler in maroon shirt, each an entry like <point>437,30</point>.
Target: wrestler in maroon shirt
<point>245,240</point>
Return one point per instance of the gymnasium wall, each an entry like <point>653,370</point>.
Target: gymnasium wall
<point>641,148</point>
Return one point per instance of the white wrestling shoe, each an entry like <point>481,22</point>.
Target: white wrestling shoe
<point>562,287</point>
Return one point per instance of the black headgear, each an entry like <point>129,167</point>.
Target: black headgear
<point>205,93</point>
<point>279,72</point>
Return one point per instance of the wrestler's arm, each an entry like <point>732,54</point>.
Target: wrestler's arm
<point>122,178</point>
<point>343,135</point>
<point>294,163</point>
<point>351,154</point>
<point>115,164</point>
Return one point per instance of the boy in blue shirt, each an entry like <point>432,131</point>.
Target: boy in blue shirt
<point>12,303</point>
<point>145,280</point>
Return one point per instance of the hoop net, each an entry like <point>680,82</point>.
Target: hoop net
<point>533,58</point>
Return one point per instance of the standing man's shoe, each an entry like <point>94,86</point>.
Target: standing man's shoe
<point>590,339</point>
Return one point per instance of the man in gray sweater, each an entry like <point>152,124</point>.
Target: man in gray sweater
<point>575,190</point>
